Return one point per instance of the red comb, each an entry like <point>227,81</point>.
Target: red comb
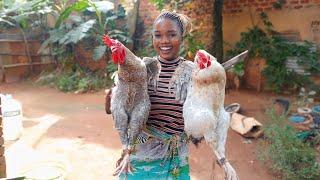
<point>107,41</point>
<point>203,61</point>
<point>202,56</point>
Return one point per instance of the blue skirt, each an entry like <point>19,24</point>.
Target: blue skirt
<point>159,156</point>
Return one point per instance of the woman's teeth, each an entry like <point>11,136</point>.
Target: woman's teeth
<point>165,48</point>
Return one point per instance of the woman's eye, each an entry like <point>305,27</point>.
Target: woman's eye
<point>172,35</point>
<point>157,35</point>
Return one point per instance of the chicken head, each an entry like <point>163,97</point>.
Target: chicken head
<point>117,49</point>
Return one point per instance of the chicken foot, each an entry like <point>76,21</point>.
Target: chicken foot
<point>228,169</point>
<point>123,164</point>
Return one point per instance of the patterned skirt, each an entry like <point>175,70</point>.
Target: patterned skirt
<point>159,156</point>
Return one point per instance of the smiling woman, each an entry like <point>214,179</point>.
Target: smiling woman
<point>161,151</point>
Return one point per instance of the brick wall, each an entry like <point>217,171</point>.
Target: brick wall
<point>200,13</point>
<point>237,6</point>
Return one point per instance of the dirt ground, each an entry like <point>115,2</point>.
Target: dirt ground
<point>82,135</point>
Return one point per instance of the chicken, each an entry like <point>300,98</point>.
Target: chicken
<point>201,86</point>
<point>130,102</point>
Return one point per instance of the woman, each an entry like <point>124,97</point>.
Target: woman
<point>161,151</point>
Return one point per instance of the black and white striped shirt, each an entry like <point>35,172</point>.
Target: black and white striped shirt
<point>166,112</point>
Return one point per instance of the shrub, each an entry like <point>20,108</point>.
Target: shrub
<point>67,82</point>
<point>265,42</point>
<point>75,78</point>
<point>285,153</point>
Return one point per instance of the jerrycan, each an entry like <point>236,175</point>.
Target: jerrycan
<point>11,117</point>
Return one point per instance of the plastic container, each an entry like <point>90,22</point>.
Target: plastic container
<point>11,117</point>
<point>46,170</point>
<point>233,108</point>
<point>297,118</point>
<point>316,109</point>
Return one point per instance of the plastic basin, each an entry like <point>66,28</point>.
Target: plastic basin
<point>297,118</point>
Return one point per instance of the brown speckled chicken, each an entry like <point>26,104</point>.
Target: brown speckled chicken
<point>130,102</point>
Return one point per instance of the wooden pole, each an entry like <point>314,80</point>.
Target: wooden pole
<point>218,34</point>
<point>26,64</point>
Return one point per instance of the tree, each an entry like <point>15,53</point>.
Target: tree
<point>218,35</point>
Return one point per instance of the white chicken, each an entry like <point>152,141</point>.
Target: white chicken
<point>203,93</point>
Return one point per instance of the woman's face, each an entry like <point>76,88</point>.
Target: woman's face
<point>166,38</point>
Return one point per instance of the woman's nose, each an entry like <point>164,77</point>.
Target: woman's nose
<point>165,39</point>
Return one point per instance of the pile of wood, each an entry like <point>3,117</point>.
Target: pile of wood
<point>2,158</point>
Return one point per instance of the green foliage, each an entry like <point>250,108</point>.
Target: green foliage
<point>191,45</point>
<point>159,3</point>
<point>73,78</point>
<point>147,49</point>
<point>67,82</point>
<point>94,19</point>
<point>98,52</point>
<point>305,97</point>
<point>238,69</point>
<point>78,33</point>
<point>173,4</point>
<point>285,153</point>
<point>267,44</point>
<point>26,15</point>
<point>82,24</point>
<point>77,6</point>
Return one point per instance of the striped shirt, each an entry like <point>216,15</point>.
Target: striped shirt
<point>166,112</point>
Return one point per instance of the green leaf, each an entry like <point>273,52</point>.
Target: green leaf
<point>120,35</point>
<point>102,6</point>
<point>78,7</point>
<point>75,35</point>
<point>98,52</point>
<point>55,36</point>
<point>110,19</point>
<point>44,46</point>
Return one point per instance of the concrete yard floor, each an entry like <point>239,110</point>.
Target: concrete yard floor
<point>74,128</point>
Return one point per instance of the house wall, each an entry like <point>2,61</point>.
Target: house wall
<point>299,18</point>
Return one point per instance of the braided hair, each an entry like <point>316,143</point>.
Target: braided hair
<point>182,21</point>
